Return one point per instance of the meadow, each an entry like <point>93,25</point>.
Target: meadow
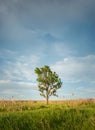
<point>58,115</point>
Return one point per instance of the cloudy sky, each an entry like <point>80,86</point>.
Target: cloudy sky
<point>58,33</point>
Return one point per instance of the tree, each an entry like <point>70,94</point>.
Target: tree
<point>48,82</point>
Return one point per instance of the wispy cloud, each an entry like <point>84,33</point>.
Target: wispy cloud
<point>38,33</point>
<point>17,77</point>
<point>18,67</point>
<point>18,89</point>
<point>76,68</point>
<point>4,81</point>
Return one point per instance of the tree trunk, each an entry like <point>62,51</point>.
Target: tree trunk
<point>47,97</point>
<point>47,100</point>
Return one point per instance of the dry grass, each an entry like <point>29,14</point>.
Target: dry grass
<point>58,115</point>
<point>19,105</point>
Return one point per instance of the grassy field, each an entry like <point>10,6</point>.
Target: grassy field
<point>58,115</point>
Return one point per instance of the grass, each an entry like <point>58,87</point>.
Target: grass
<point>58,115</point>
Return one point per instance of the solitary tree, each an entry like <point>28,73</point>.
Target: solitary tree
<point>48,82</point>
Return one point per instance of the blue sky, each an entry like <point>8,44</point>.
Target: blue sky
<point>58,33</point>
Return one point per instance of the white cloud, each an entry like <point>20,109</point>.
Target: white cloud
<point>4,81</point>
<point>11,84</point>
<point>62,49</point>
<point>18,67</point>
<point>21,89</point>
<point>28,84</point>
<point>76,68</point>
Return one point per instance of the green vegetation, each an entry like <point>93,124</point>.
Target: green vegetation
<point>48,81</point>
<point>58,115</point>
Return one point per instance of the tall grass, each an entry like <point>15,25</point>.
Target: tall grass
<point>69,115</point>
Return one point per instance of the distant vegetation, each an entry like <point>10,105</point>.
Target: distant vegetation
<point>58,115</point>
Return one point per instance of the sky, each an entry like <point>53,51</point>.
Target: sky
<point>57,33</point>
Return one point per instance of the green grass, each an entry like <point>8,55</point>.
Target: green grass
<point>56,116</point>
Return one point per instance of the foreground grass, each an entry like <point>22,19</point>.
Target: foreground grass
<point>56,116</point>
